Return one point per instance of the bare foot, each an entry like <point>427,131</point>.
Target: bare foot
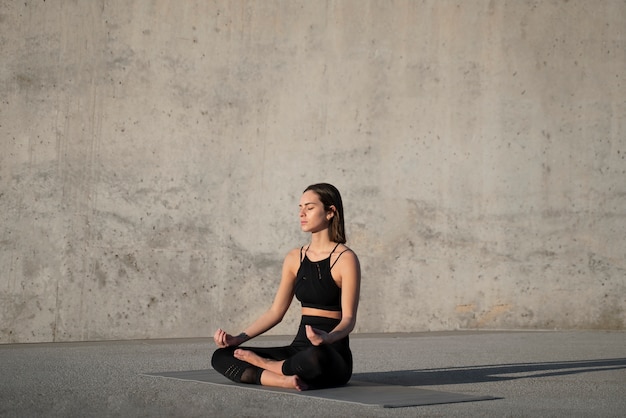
<point>290,382</point>
<point>273,374</point>
<point>299,383</point>
<point>253,358</point>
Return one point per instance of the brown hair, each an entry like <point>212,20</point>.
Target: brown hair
<point>329,196</point>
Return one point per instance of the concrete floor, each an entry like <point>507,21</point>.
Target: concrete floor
<point>559,374</point>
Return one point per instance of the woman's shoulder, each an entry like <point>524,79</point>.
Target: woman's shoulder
<point>344,252</point>
<point>343,248</point>
<point>345,262</point>
<point>294,255</point>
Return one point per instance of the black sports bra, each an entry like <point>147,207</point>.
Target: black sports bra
<point>315,286</point>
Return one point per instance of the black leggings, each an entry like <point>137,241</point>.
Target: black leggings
<point>323,366</point>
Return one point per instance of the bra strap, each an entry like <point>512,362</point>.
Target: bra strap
<point>337,259</point>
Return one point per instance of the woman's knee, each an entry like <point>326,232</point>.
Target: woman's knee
<point>221,357</point>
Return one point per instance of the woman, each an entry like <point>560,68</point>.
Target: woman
<point>325,277</point>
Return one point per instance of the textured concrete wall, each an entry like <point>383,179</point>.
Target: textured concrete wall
<point>153,154</point>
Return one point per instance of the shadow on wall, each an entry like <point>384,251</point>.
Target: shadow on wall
<point>489,373</point>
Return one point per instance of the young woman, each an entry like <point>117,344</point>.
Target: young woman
<point>325,277</point>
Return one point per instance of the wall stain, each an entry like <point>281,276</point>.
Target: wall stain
<point>495,312</point>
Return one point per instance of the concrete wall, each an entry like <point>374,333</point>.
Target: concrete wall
<point>153,154</point>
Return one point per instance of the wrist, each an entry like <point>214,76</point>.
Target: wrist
<point>243,337</point>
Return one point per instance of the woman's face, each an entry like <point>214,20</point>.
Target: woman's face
<point>313,217</point>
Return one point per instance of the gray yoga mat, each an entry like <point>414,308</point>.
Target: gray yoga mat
<point>366,393</point>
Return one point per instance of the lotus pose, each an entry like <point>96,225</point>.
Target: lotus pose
<point>324,275</point>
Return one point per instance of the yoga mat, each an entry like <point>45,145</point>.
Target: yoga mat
<point>365,393</point>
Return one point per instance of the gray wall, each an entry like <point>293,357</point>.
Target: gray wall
<point>153,154</point>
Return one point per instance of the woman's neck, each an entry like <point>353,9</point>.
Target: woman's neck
<point>320,242</point>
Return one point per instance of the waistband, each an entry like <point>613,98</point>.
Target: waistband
<point>320,322</point>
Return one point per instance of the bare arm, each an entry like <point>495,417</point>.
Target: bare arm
<point>275,313</point>
<point>348,271</point>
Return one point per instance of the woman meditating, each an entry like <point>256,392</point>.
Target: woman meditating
<point>325,277</point>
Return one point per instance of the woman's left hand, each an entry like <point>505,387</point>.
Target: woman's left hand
<point>316,336</point>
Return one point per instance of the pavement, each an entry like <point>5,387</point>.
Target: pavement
<point>531,374</point>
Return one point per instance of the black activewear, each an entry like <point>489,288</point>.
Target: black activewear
<point>315,286</point>
<point>322,366</point>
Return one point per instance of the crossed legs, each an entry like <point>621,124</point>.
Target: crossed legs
<point>264,367</point>
<point>272,374</point>
<point>286,367</point>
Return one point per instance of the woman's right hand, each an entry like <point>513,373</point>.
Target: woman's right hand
<point>223,340</point>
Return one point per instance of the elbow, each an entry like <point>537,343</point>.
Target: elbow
<point>277,315</point>
<point>349,323</point>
